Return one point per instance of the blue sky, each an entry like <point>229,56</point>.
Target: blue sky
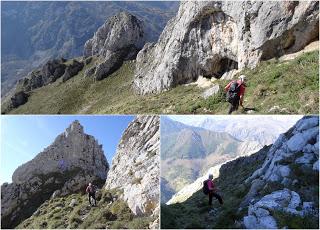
<point>23,137</point>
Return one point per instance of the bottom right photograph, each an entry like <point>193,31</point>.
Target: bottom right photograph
<point>252,172</point>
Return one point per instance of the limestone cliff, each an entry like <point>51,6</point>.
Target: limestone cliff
<point>118,39</point>
<point>135,167</point>
<point>291,165</point>
<point>216,38</point>
<point>73,160</point>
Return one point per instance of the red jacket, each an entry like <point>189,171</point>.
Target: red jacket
<point>242,87</point>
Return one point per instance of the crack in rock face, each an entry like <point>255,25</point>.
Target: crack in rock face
<point>210,38</point>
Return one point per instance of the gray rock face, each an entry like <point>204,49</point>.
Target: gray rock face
<point>135,167</point>
<point>119,39</point>
<point>72,70</point>
<point>259,214</point>
<point>72,161</point>
<point>210,38</point>
<point>47,74</point>
<point>19,98</point>
<point>305,141</point>
<point>89,72</point>
<point>211,91</point>
<point>298,147</point>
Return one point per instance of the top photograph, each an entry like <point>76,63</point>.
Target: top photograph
<point>160,57</point>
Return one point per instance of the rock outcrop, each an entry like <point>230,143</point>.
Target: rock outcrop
<point>47,74</point>
<point>259,215</point>
<point>119,39</point>
<point>18,99</point>
<point>72,161</point>
<point>212,38</point>
<point>72,70</point>
<point>303,139</point>
<point>289,165</point>
<point>135,167</point>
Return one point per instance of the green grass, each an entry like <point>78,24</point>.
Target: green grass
<point>57,213</point>
<point>286,220</point>
<point>292,85</point>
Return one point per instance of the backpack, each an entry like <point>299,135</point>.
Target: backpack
<point>233,91</point>
<point>205,188</point>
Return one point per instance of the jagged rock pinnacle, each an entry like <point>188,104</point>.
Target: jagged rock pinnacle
<point>67,165</point>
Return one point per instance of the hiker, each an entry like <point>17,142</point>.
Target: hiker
<point>235,93</point>
<point>91,193</point>
<point>209,189</point>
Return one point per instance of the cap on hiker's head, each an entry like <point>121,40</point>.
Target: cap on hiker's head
<point>89,184</point>
<point>242,78</point>
<point>210,176</point>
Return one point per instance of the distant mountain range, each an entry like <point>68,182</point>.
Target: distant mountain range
<point>263,129</point>
<point>34,32</point>
<point>189,152</point>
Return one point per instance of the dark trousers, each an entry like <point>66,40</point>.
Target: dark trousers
<point>216,195</point>
<point>93,195</point>
<point>234,105</point>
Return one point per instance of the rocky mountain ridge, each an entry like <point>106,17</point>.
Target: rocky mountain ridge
<point>36,32</point>
<point>135,167</point>
<point>66,166</point>
<point>216,39</point>
<point>117,40</point>
<point>263,129</point>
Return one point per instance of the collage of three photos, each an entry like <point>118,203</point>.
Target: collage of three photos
<point>159,114</point>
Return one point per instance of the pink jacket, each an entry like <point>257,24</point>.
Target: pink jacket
<point>210,185</point>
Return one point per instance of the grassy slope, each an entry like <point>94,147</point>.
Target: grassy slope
<point>56,213</point>
<point>193,213</point>
<point>292,85</point>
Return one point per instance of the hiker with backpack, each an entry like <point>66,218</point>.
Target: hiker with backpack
<point>91,190</point>
<point>209,189</point>
<point>235,93</point>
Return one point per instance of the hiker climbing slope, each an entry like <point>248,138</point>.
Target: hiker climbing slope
<point>210,190</point>
<point>235,93</point>
<point>91,190</point>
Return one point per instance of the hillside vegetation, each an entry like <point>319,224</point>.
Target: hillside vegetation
<point>196,213</point>
<point>110,212</point>
<point>274,87</point>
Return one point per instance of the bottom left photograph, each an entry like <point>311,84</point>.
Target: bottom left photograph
<point>80,172</point>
